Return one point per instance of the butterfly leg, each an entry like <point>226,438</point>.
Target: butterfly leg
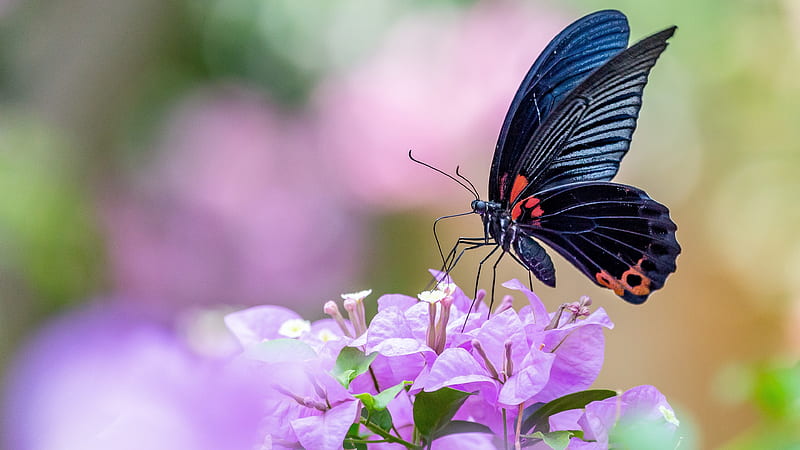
<point>454,256</point>
<point>436,235</point>
<point>530,279</point>
<point>457,258</point>
<point>478,275</point>
<point>477,280</point>
<point>453,251</point>
<point>449,263</point>
<point>494,278</point>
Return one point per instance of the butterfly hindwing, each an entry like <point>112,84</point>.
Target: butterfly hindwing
<point>615,234</point>
<point>588,133</point>
<point>569,58</point>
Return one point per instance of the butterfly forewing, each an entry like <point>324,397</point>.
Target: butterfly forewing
<point>587,135</point>
<point>569,58</point>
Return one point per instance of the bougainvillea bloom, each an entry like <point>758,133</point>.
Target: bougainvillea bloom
<point>422,372</point>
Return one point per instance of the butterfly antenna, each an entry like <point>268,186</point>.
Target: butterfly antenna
<point>411,157</point>
<point>474,191</point>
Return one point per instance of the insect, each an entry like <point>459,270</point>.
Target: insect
<point>567,129</point>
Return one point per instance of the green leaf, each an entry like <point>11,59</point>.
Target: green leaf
<point>380,401</point>
<point>353,434</point>
<point>539,419</point>
<point>434,410</point>
<point>348,444</point>
<point>462,426</point>
<point>382,418</point>
<point>351,363</point>
<point>557,440</point>
<point>387,395</point>
<point>367,399</point>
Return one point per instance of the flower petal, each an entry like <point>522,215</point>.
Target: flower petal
<point>579,358</point>
<point>397,300</point>
<point>530,378</point>
<point>259,323</point>
<point>540,315</point>
<point>454,367</point>
<point>326,431</point>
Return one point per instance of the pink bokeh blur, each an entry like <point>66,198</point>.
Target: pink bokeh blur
<point>234,209</point>
<point>440,85</point>
<point>245,203</point>
<point>105,377</point>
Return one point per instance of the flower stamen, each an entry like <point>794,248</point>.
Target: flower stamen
<point>488,363</point>
<point>509,363</point>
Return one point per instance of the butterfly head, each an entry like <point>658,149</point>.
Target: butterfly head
<point>486,209</point>
<point>496,221</point>
<point>479,207</point>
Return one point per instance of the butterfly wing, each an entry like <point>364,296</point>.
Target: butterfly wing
<point>569,58</point>
<point>588,133</point>
<point>615,234</point>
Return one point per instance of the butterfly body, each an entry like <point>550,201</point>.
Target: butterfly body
<point>565,134</point>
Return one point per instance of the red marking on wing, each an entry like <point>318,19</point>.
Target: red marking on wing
<point>516,211</point>
<point>530,206</point>
<point>532,203</point>
<point>519,184</point>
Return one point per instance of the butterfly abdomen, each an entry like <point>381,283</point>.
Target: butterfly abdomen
<point>536,259</point>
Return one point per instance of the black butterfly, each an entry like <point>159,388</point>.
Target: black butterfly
<point>568,127</point>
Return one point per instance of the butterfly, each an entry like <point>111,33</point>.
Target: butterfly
<point>567,129</point>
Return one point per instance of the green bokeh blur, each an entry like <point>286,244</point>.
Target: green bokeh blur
<point>86,85</point>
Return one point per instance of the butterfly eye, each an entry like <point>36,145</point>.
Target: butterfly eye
<point>479,206</point>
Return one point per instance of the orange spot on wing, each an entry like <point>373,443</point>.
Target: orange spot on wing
<point>605,279</point>
<point>632,280</point>
<point>519,184</point>
<point>642,288</point>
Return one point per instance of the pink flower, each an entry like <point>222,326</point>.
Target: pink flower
<point>573,335</point>
<point>637,416</point>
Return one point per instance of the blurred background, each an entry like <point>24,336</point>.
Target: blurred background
<point>158,159</point>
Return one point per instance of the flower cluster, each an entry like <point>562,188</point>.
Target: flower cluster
<point>439,370</point>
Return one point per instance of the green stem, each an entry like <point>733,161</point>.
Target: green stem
<point>378,390</point>
<point>382,433</point>
<point>365,441</point>
<point>505,429</point>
